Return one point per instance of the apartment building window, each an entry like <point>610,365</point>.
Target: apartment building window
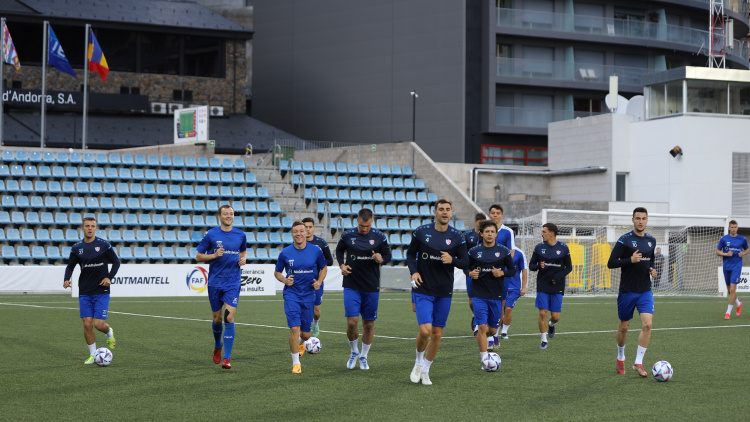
<point>740,183</point>
<point>620,187</point>
<point>513,155</point>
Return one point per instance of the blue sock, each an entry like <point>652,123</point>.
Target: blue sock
<point>217,334</point>
<point>228,339</point>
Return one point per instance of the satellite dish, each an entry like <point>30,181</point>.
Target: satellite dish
<point>616,104</point>
<point>636,107</point>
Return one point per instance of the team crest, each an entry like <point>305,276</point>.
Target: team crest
<point>447,241</point>
<point>497,254</point>
<point>649,244</point>
<point>97,248</point>
<point>559,252</point>
<point>635,244</point>
<point>372,241</point>
<point>218,244</point>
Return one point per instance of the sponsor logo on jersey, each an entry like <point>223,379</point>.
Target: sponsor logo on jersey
<point>353,257</point>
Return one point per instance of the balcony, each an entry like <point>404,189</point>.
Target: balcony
<point>534,117</point>
<point>565,71</point>
<point>692,39</point>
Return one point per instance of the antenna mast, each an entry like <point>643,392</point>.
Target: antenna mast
<point>717,33</point>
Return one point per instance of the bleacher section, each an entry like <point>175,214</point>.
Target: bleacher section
<point>155,209</point>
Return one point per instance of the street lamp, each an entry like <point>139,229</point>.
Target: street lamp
<point>414,97</point>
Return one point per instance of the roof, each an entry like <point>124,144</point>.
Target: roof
<point>175,14</point>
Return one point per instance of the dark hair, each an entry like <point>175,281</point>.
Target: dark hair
<point>551,227</point>
<point>297,223</point>
<point>443,201</point>
<point>225,206</point>
<point>365,214</point>
<point>85,219</point>
<point>730,222</point>
<point>640,209</point>
<point>480,217</point>
<point>308,220</point>
<point>486,223</point>
<point>497,206</point>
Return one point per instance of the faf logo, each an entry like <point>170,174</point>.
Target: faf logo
<point>197,280</point>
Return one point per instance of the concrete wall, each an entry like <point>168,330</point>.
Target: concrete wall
<point>342,71</point>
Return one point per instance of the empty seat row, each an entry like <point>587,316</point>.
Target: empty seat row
<point>125,173</point>
<point>122,188</point>
<point>357,181</point>
<point>343,168</point>
<point>369,195</point>
<point>379,209</point>
<point>116,159</point>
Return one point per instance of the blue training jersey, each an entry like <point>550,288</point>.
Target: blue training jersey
<point>472,239</point>
<point>424,257</point>
<point>519,261</point>
<point>487,286</point>
<point>323,245</point>
<point>557,265</point>
<point>735,244</point>
<point>506,237</point>
<point>355,250</point>
<point>635,278</point>
<point>94,258</point>
<point>225,270</point>
<point>305,265</point>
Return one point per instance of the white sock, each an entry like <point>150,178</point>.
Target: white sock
<point>505,328</point>
<point>92,349</point>
<point>295,358</point>
<point>551,324</point>
<point>639,355</point>
<point>111,333</point>
<point>354,346</point>
<point>620,352</point>
<point>729,308</point>
<point>420,358</point>
<point>315,322</point>
<point>737,302</point>
<point>483,354</point>
<point>544,337</point>
<point>365,349</point>
<point>426,366</point>
<point>301,341</point>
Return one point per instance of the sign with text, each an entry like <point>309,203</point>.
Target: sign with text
<point>191,124</point>
<point>69,100</point>
<point>742,287</point>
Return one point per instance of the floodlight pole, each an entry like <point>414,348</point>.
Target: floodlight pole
<point>414,97</point>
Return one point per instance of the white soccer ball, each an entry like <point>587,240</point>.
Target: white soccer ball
<point>312,345</point>
<point>102,356</point>
<point>491,362</point>
<point>662,371</point>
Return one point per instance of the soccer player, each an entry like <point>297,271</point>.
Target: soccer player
<point>93,254</point>
<point>732,247</point>
<point>434,251</point>
<point>506,238</point>
<point>489,264</point>
<point>360,253</point>
<point>473,239</point>
<point>225,250</point>
<point>634,253</point>
<point>305,268</point>
<point>323,245</point>
<point>513,288</point>
<point>552,259</point>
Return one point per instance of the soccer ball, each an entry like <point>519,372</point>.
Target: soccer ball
<point>662,371</point>
<point>491,362</point>
<point>312,345</point>
<point>102,356</point>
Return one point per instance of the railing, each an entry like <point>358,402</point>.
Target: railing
<point>533,117</point>
<point>566,71</point>
<point>302,150</point>
<point>605,26</point>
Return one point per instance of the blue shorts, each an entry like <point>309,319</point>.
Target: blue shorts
<point>628,301</point>
<point>93,306</point>
<point>487,311</point>
<point>732,276</point>
<point>549,301</point>
<point>432,310</point>
<point>357,302</point>
<point>319,295</point>
<point>299,313</point>
<point>220,295</point>
<point>511,296</point>
<point>468,286</point>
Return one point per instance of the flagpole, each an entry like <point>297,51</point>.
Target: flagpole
<point>2,80</point>
<point>45,47</point>
<point>85,88</point>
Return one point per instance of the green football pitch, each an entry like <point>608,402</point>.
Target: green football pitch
<point>162,367</point>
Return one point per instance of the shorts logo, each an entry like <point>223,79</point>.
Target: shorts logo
<point>234,301</point>
<point>635,244</point>
<point>80,252</point>
<point>447,241</point>
<point>372,241</point>
<point>97,249</point>
<point>197,280</point>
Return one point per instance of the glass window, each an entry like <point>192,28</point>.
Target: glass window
<point>707,96</point>
<point>621,178</point>
<point>655,100</point>
<point>203,56</point>
<point>119,48</point>
<point>674,97</point>
<point>160,53</point>
<point>514,155</point>
<point>739,98</point>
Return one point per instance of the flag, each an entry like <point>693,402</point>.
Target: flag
<point>9,50</point>
<point>97,62</point>
<point>57,55</point>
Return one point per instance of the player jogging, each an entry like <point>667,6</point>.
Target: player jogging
<point>732,247</point>
<point>489,264</point>
<point>305,269</point>
<point>323,245</point>
<point>472,239</point>
<point>434,251</point>
<point>513,288</point>
<point>360,253</point>
<point>225,250</point>
<point>634,253</point>
<point>93,254</point>
<point>506,238</point>
<point>552,259</point>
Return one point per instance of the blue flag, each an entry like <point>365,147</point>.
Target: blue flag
<point>57,55</point>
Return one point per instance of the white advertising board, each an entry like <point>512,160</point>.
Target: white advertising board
<point>191,124</point>
<point>742,287</point>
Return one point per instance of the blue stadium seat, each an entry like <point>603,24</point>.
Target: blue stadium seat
<point>138,174</point>
<point>144,220</point>
<point>35,156</point>
<point>127,159</point>
<point>27,186</point>
<point>150,174</point>
<point>168,253</point>
<point>45,172</point>
<point>37,252</point>
<point>162,175</point>
<point>131,219</point>
<point>385,169</point>
<point>56,235</point>
<point>27,235</point>
<point>415,224</point>
<point>393,224</point>
<point>152,160</point>
<point>23,252</point>
<point>124,173</point>
<point>114,236</point>
<point>307,166</point>
<point>13,186</point>
<point>380,224</point>
<point>432,197</point>
<point>199,221</point>
<point>397,255</point>
<point>396,170</point>
<point>8,155</point>
<point>250,222</point>
<point>4,171</point>
<point>53,252</point>
<point>405,239</point>
<point>9,252</point>
<point>183,236</point>
<point>389,196</point>
<point>178,162</point>
<point>65,251</point>
<point>214,163</point>
<point>262,254</point>
<point>154,253</point>
<point>181,253</point>
<point>139,253</point>
<point>394,239</point>
<point>165,161</point>
<point>275,238</point>
<point>184,221</point>
<point>406,171</point>
<point>13,235</point>
<point>125,253</point>
<point>286,238</point>
<point>330,167</point>
<point>404,225</point>
<point>88,158</point>
<point>162,190</point>
<point>71,235</point>
<point>460,225</point>
<point>170,236</point>
<point>48,157</point>
<point>196,237</point>
<point>189,176</point>
<point>114,158</point>
<point>42,235</point>
<point>341,168</point>
<point>273,253</point>
<point>351,168</point>
<point>263,192</point>
<point>9,201</point>
<point>76,219</point>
